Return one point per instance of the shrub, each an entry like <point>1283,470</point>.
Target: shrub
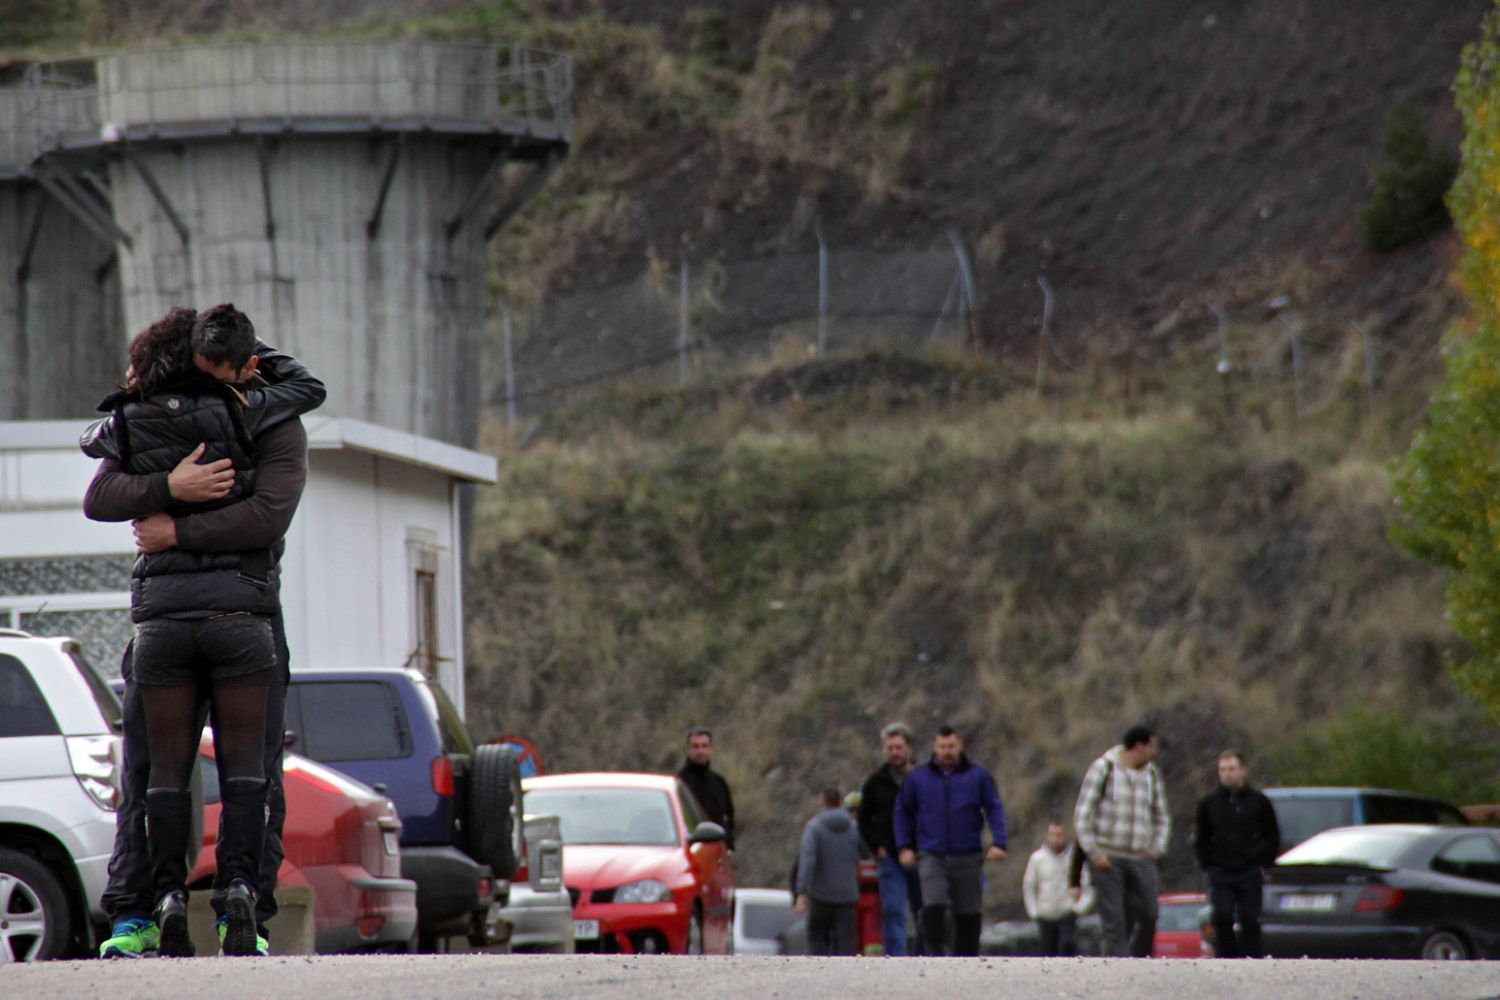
<point>1409,185</point>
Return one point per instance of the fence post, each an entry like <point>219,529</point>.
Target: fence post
<point>510,374</point>
<point>1369,344</point>
<point>1041,341</point>
<point>1223,367</point>
<point>682,329</point>
<point>1296,329</point>
<point>822,291</point>
<point>966,301</point>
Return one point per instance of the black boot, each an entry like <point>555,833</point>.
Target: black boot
<point>242,838</point>
<point>934,930</point>
<point>169,827</point>
<point>966,933</point>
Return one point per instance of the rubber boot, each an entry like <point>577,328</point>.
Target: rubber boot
<point>169,826</point>
<point>934,930</point>
<point>239,851</point>
<point>966,933</point>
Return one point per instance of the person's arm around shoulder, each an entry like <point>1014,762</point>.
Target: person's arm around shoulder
<point>263,518</point>
<point>994,811</point>
<point>291,390</point>
<point>116,495</point>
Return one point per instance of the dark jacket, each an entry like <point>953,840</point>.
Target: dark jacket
<point>828,862</point>
<point>944,814</point>
<point>877,809</point>
<point>1236,831</point>
<point>712,792</point>
<point>150,436</point>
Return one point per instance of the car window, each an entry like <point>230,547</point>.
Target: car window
<point>1474,857</point>
<point>1302,816</point>
<point>1399,809</point>
<point>104,695</point>
<point>607,815</point>
<point>455,735</point>
<point>1178,917</point>
<point>23,710</point>
<point>766,920</point>
<point>351,720</point>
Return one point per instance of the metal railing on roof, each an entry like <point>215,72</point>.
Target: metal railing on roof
<point>202,90</point>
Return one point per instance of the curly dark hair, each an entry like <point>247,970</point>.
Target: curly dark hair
<point>162,352</point>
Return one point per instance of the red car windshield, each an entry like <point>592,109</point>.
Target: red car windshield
<point>607,815</point>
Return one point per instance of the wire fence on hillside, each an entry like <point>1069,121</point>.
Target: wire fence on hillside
<point>677,324</point>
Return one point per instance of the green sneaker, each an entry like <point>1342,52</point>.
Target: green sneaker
<point>131,939</point>
<point>262,946</point>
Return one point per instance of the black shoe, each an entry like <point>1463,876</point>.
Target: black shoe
<point>239,920</point>
<point>172,919</point>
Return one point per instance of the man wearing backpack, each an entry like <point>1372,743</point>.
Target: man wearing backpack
<point>1123,825</point>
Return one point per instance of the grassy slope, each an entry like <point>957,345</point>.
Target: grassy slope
<point>799,556</point>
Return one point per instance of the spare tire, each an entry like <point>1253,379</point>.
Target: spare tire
<point>494,805</point>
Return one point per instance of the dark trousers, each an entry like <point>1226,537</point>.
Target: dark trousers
<point>1060,936</point>
<point>830,928</point>
<point>129,892</point>
<point>1126,892</point>
<point>1236,895</point>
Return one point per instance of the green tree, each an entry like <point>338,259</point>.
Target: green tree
<point>1407,201</point>
<point>1448,483</point>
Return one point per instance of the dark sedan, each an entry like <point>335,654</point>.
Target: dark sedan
<point>1399,891</point>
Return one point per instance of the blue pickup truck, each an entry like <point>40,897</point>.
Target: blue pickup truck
<point>396,731</point>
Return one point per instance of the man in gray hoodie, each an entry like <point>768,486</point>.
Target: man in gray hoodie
<point>828,878</point>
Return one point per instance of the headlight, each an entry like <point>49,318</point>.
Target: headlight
<point>647,890</point>
<point>93,760</point>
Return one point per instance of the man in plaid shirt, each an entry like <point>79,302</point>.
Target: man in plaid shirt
<point>1123,824</point>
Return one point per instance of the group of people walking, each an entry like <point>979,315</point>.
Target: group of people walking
<point>203,450</point>
<point>924,824</point>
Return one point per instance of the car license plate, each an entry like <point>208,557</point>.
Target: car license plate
<point>391,845</point>
<point>586,930</point>
<point>1303,902</point>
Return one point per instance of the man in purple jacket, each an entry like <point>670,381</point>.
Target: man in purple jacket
<point>940,817</point>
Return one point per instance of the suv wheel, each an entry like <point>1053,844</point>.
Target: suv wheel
<point>494,799</point>
<point>34,918</point>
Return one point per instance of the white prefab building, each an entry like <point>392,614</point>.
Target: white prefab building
<point>371,571</point>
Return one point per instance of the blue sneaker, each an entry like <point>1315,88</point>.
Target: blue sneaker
<point>131,939</point>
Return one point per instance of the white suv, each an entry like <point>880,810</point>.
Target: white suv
<point>59,789</point>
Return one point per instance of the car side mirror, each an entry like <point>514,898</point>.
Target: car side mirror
<point>707,833</point>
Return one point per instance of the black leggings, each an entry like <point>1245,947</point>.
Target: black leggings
<point>173,728</point>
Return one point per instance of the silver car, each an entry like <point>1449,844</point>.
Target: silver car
<point>539,909</point>
<point>59,789</point>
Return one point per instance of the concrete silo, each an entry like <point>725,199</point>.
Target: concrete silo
<point>59,293</point>
<point>342,194</point>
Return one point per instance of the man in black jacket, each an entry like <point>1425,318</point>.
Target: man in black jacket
<point>708,786</point>
<point>1237,838</point>
<point>900,888</point>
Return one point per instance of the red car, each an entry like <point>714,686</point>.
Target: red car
<point>1179,926</point>
<point>341,839</point>
<point>647,872</point>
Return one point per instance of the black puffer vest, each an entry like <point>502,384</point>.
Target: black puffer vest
<point>154,434</point>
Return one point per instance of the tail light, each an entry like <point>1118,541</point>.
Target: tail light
<point>442,776</point>
<point>486,889</point>
<point>1378,899</point>
<point>95,764</point>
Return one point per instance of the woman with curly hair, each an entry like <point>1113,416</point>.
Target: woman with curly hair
<point>202,619</point>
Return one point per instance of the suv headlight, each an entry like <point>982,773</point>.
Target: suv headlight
<point>647,890</point>
<point>93,759</point>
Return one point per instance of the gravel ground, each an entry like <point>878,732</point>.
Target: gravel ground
<point>490,976</point>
